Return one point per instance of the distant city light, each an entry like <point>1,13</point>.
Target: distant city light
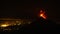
<point>4,25</point>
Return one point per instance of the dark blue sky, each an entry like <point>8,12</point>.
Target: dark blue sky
<point>30,9</point>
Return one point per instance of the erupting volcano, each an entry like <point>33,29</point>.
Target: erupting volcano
<point>43,14</point>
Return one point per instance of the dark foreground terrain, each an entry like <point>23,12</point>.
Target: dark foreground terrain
<point>38,26</point>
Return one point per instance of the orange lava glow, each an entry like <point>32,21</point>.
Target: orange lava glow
<point>42,14</point>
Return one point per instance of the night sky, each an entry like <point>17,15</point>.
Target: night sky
<point>30,9</point>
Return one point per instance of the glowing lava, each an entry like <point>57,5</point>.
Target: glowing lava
<point>42,14</point>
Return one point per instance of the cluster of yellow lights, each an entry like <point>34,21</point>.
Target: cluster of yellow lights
<point>4,25</point>
<point>13,22</point>
<point>7,23</point>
